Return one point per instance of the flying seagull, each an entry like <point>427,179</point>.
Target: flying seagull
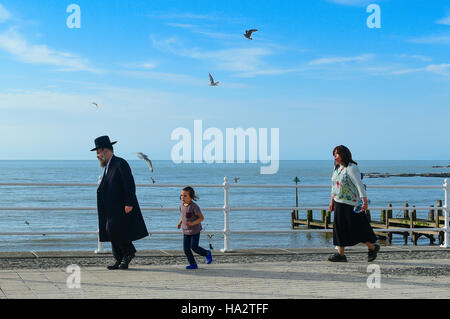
<point>212,80</point>
<point>96,105</point>
<point>248,33</point>
<point>27,222</point>
<point>236,179</point>
<point>145,158</point>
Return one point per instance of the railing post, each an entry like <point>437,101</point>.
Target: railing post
<point>100,249</point>
<point>226,213</point>
<point>446,243</point>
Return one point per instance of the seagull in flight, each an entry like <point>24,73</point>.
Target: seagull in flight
<point>212,80</point>
<point>236,179</point>
<point>248,33</point>
<point>145,158</point>
<point>27,222</point>
<point>96,105</point>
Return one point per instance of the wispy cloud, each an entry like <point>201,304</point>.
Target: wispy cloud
<point>204,30</point>
<point>232,60</point>
<point>272,71</point>
<point>441,69</point>
<point>183,25</point>
<point>356,3</point>
<point>181,79</point>
<point>433,39</point>
<point>194,16</point>
<point>13,43</point>
<point>145,65</point>
<point>415,57</point>
<point>248,61</point>
<point>332,60</point>
<point>185,15</point>
<point>4,14</point>
<point>444,20</point>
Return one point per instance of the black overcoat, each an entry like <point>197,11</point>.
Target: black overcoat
<point>117,190</point>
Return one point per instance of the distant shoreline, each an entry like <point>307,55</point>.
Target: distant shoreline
<point>384,175</point>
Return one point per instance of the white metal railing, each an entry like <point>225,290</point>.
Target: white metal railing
<point>227,209</point>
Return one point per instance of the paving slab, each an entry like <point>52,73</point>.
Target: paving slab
<point>283,280</point>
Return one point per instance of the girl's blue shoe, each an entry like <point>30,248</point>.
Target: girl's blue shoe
<point>192,267</point>
<point>209,257</point>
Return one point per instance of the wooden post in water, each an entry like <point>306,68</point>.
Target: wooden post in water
<point>406,212</point>
<point>431,213</point>
<point>327,220</point>
<point>439,211</point>
<point>411,224</point>
<point>309,216</point>
<point>406,216</point>
<point>293,219</point>
<point>388,215</point>
<point>296,180</point>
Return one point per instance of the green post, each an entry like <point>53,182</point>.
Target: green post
<point>296,180</point>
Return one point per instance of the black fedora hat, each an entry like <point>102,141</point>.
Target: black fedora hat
<point>102,142</point>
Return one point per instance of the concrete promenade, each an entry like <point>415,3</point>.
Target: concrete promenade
<point>405,272</point>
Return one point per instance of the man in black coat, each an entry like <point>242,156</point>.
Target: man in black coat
<point>119,215</point>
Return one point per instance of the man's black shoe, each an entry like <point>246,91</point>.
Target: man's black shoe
<point>125,261</point>
<point>373,253</point>
<point>337,258</point>
<point>115,266</point>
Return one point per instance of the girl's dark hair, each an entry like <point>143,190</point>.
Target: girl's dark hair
<point>191,192</point>
<point>346,156</point>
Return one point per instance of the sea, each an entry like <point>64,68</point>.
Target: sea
<point>310,172</point>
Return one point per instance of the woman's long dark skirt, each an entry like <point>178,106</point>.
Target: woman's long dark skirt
<point>350,228</point>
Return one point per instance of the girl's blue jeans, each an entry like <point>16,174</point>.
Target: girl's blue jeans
<point>190,243</point>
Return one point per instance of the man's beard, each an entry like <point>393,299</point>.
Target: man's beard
<point>103,161</point>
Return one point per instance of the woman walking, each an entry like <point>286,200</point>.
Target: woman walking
<point>349,227</point>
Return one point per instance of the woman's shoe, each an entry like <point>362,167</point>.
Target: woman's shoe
<point>115,266</point>
<point>372,255</point>
<point>192,267</point>
<point>337,258</point>
<point>209,257</point>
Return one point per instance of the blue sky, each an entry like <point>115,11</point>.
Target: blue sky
<point>314,70</point>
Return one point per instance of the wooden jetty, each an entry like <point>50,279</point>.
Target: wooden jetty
<point>400,225</point>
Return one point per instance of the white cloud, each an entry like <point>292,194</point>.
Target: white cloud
<point>193,16</point>
<point>416,57</point>
<point>186,15</point>
<point>441,69</point>
<point>433,39</point>
<point>182,25</point>
<point>358,3</point>
<point>204,31</point>
<point>233,60</point>
<point>4,14</point>
<point>272,71</point>
<point>180,79</point>
<point>363,57</point>
<point>146,65</point>
<point>16,45</point>
<point>445,20</point>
